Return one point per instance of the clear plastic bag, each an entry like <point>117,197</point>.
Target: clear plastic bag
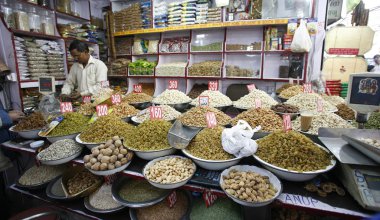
<point>301,40</point>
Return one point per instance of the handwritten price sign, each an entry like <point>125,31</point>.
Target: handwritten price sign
<point>307,88</point>
<point>105,84</point>
<point>102,110</point>
<point>173,84</point>
<point>116,99</point>
<point>213,85</point>
<point>137,88</point>
<point>251,87</point>
<point>172,199</point>
<point>287,122</point>
<point>211,119</point>
<point>66,107</point>
<point>209,197</point>
<point>86,99</point>
<point>258,103</point>
<point>319,105</point>
<point>203,101</point>
<point>155,112</point>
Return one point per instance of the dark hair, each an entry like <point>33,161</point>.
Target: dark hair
<point>376,56</point>
<point>79,45</point>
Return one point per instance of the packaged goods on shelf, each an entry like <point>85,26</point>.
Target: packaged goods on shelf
<point>123,46</point>
<point>119,67</point>
<point>7,13</point>
<point>64,6</point>
<point>171,69</point>
<point>142,46</point>
<point>160,14</point>
<point>83,32</point>
<point>236,71</point>
<point>146,16</point>
<point>21,18</point>
<point>206,68</point>
<point>214,15</point>
<point>128,18</point>
<point>201,13</point>
<point>175,45</point>
<point>141,67</point>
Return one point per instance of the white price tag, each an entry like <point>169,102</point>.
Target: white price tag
<point>203,101</point>
<point>320,105</point>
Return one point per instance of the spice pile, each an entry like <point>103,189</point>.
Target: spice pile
<point>216,99</point>
<point>72,123</point>
<point>59,150</point>
<point>39,175</point>
<point>170,170</point>
<point>308,102</point>
<point>248,101</point>
<point>206,68</point>
<point>102,198</point>
<point>285,108</point>
<point>223,208</point>
<point>373,121</point>
<point>86,109</point>
<point>140,191</point>
<point>108,156</point>
<point>197,90</point>
<point>345,112</point>
<point>81,181</point>
<point>34,121</point>
<point>123,110</point>
<point>291,91</point>
<point>132,98</point>
<point>207,145</point>
<point>196,117</point>
<point>293,151</point>
<point>248,186</point>
<point>171,69</point>
<point>149,135</point>
<point>266,118</point>
<point>171,96</point>
<point>168,114</point>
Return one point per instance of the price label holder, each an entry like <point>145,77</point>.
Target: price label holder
<point>258,103</point>
<point>155,112</point>
<point>213,85</point>
<point>110,178</point>
<point>66,107</point>
<point>203,101</point>
<point>287,122</point>
<point>105,84</point>
<point>101,110</point>
<point>171,199</point>
<point>307,88</point>
<point>137,88</point>
<point>211,119</point>
<point>209,197</point>
<point>116,99</point>
<point>319,105</point>
<point>46,85</point>
<point>173,84</point>
<point>52,125</point>
<point>86,99</point>
<point>251,87</point>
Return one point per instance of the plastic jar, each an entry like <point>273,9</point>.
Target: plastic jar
<point>44,3</point>
<point>34,21</point>
<point>7,14</point>
<point>21,18</point>
<point>64,6</point>
<point>47,24</point>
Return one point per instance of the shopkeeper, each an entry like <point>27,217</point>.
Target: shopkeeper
<point>376,67</point>
<point>86,74</point>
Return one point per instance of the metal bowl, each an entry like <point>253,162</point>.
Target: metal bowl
<point>166,186</point>
<point>59,161</point>
<point>110,172</point>
<point>272,178</point>
<point>283,100</point>
<point>53,139</point>
<point>88,145</point>
<point>49,191</point>
<point>93,209</point>
<point>35,186</point>
<point>220,108</point>
<point>27,134</point>
<point>292,175</point>
<point>293,116</point>
<point>181,107</point>
<point>153,154</point>
<point>212,164</point>
<point>141,105</point>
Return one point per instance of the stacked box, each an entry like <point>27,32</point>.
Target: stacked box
<point>214,15</point>
<point>161,15</point>
<point>128,18</point>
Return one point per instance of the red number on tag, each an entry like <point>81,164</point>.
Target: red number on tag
<point>258,103</point>
<point>86,99</point>
<point>209,197</point>
<point>116,99</point>
<point>66,107</point>
<point>172,199</point>
<point>319,105</point>
<point>203,101</point>
<point>110,179</point>
<point>307,88</point>
<point>137,88</point>
<point>155,112</point>
<point>173,84</point>
<point>251,87</point>
<point>102,110</point>
<point>213,85</point>
<point>105,84</point>
<point>211,119</point>
<point>287,122</point>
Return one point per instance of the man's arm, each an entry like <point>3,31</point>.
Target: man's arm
<point>70,82</point>
<point>100,76</point>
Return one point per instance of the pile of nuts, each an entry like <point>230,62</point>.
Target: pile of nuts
<point>334,99</point>
<point>197,90</point>
<point>42,174</point>
<point>124,110</point>
<point>291,91</point>
<point>101,95</point>
<point>266,118</point>
<point>283,87</point>
<point>370,141</point>
<point>86,109</point>
<point>248,186</point>
<point>206,68</point>
<point>248,101</point>
<point>308,102</point>
<point>196,117</point>
<point>34,121</point>
<point>216,99</point>
<point>345,112</point>
<point>81,181</point>
<point>168,114</point>
<point>171,96</point>
<point>59,150</point>
<point>108,156</point>
<point>137,98</point>
<point>170,170</point>
<point>285,108</point>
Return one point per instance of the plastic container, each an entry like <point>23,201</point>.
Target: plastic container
<point>64,6</point>
<point>47,24</point>
<point>7,14</point>
<point>44,3</point>
<point>34,21</point>
<point>21,18</point>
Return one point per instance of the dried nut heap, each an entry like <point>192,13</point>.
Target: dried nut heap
<point>373,121</point>
<point>373,142</point>
<point>291,91</point>
<point>149,136</point>
<point>42,174</point>
<point>101,95</point>
<point>197,90</point>
<point>334,99</point>
<point>248,186</point>
<point>345,112</point>
<point>72,123</point>
<point>196,117</point>
<point>108,156</point>
<point>170,170</point>
<point>171,97</point>
<point>104,128</point>
<point>132,98</point>
<point>293,151</point>
<point>102,198</point>
<point>308,102</point>
<point>283,87</point>
<point>248,101</point>
<point>81,181</point>
<point>86,109</point>
<point>124,110</point>
<point>206,68</point>
<point>322,120</point>
<point>168,114</point>
<point>59,150</point>
<point>285,108</point>
<point>207,145</point>
<point>34,121</point>
<point>266,118</point>
<point>216,99</point>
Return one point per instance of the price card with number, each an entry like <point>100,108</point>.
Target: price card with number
<point>258,103</point>
<point>251,87</point>
<point>209,197</point>
<point>110,178</point>
<point>203,101</point>
<point>86,99</point>
<point>102,110</point>
<point>213,85</point>
<point>173,84</point>
<point>66,107</point>
<point>116,99</point>
<point>291,80</point>
<point>307,88</point>
<point>172,199</point>
<point>137,88</point>
<point>105,84</point>
<point>155,112</point>
<point>287,122</point>
<point>319,104</point>
<point>211,119</point>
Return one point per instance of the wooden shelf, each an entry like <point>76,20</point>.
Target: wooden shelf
<point>260,22</point>
<point>34,34</point>
<point>71,17</point>
<point>73,38</point>
<point>34,83</point>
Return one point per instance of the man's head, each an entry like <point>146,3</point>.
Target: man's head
<point>376,58</point>
<point>79,51</point>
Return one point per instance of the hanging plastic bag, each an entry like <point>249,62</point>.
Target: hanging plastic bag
<point>49,106</point>
<point>237,140</point>
<point>301,40</point>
